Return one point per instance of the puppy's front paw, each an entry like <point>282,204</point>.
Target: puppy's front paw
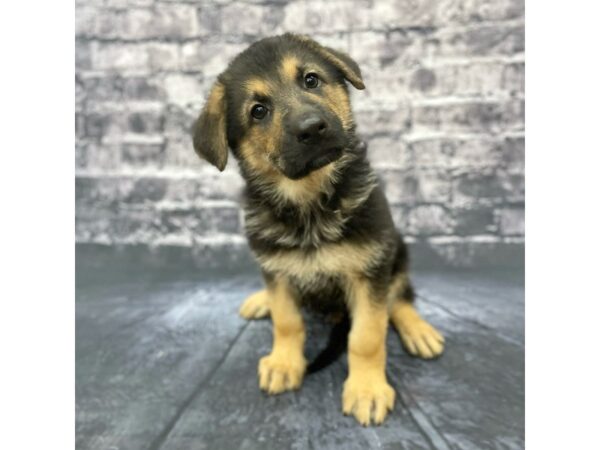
<point>367,399</point>
<point>421,339</point>
<point>277,374</point>
<point>256,306</point>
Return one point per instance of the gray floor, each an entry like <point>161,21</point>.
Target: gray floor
<point>164,361</point>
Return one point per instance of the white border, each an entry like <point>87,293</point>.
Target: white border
<point>563,225</point>
<point>37,224</point>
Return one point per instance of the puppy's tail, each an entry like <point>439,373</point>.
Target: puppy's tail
<point>336,345</point>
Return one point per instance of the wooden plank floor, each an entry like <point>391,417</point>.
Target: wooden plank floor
<point>164,362</point>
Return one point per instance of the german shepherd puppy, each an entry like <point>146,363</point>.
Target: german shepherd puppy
<point>315,216</point>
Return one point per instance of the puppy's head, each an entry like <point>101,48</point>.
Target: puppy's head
<point>282,106</point>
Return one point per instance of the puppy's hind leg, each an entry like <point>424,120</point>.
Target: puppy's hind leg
<point>418,336</point>
<point>255,306</point>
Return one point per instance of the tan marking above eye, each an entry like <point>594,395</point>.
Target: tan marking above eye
<point>257,86</point>
<point>289,68</point>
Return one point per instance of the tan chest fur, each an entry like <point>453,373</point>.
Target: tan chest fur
<point>329,259</point>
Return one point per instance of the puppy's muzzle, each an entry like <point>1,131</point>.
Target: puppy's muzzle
<point>313,140</point>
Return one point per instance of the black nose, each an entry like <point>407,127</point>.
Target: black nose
<point>309,129</point>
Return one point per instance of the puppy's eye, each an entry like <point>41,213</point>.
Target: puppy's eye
<point>259,111</point>
<point>311,80</point>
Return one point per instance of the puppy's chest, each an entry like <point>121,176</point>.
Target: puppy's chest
<point>291,228</point>
<point>314,253</point>
<point>321,294</point>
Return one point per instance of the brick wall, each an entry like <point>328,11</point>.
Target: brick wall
<point>443,114</point>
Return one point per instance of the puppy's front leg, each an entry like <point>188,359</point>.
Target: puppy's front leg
<point>367,394</point>
<point>284,368</point>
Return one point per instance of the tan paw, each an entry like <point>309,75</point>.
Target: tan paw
<point>256,306</point>
<point>278,374</point>
<point>367,400</point>
<point>421,339</point>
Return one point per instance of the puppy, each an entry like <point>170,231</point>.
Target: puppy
<point>315,215</point>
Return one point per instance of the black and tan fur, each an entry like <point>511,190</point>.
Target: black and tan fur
<point>316,217</point>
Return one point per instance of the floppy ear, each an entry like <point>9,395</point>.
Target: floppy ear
<point>210,133</point>
<point>341,60</point>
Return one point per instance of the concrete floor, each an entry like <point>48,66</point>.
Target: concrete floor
<point>164,362</point>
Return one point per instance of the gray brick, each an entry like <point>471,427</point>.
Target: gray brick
<point>94,225</point>
<point>217,185</point>
<point>82,3</point>
<point>477,153</point>
<point>481,40</point>
<point>411,187</point>
<point>179,153</point>
<point>209,19</point>
<point>112,87</point>
<point>401,13</point>
<point>96,156</point>
<point>383,91</point>
<point>101,87</point>
<point>79,125</point>
<point>184,89</point>
<point>479,116</point>
<point>80,95</point>
<point>391,52</point>
<point>135,225</point>
<point>85,20</point>
<point>251,19</point>
<point>179,121</point>
<point>120,56</point>
<point>474,219</point>
<point>144,190</point>
<point>182,191</point>
<point>112,126</point>
<point>511,221</point>
<point>210,59</point>
<point>423,80</point>
<point>145,122</point>
<point>201,221</point>
<point>96,124</point>
<point>95,192</point>
<point>400,187</point>
<point>380,121</point>
<point>143,154</point>
<point>473,188</point>
<point>513,185</point>
<point>389,151</point>
<point>433,185</point>
<point>80,154</point>
<point>513,78</point>
<point>475,251</point>
<point>163,21</point>
<point>331,16</point>
<point>467,153</point>
<point>400,215</point>
<point>513,154</point>
<point>126,3</point>
<point>436,152</point>
<point>473,79</point>
<point>83,55</point>
<point>471,11</point>
<point>427,220</point>
<point>164,56</point>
